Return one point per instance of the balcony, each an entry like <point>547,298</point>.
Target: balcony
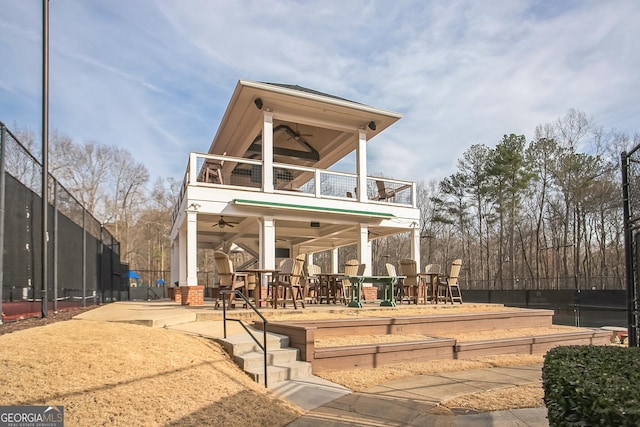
<point>241,174</point>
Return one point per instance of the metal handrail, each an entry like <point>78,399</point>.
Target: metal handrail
<point>264,325</point>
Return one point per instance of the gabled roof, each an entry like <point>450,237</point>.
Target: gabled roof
<point>328,123</point>
<point>307,90</point>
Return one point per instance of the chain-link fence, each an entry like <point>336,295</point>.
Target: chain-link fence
<point>83,265</point>
<point>631,209</point>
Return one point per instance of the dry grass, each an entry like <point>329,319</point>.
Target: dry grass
<point>119,374</point>
<point>128,375</point>
<point>375,311</point>
<point>460,336</point>
<point>524,396</point>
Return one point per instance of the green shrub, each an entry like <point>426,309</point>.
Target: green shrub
<point>592,386</point>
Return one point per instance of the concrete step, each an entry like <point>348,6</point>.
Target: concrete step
<point>282,360</point>
<point>255,359</point>
<point>279,373</point>
<point>237,345</point>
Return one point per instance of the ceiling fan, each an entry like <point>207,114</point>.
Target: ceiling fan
<point>222,223</point>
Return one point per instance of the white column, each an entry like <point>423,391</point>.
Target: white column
<point>192,248</point>
<point>267,152</point>
<point>415,246</point>
<point>193,170</point>
<point>175,262</point>
<point>364,248</point>
<point>361,160</point>
<point>182,256</point>
<point>267,243</point>
<point>334,261</point>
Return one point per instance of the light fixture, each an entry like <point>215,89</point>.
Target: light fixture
<point>258,103</point>
<point>372,125</point>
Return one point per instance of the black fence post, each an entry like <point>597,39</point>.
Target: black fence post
<point>3,141</point>
<point>629,248</point>
<point>55,245</point>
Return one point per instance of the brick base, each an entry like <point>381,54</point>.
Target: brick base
<point>174,294</point>
<point>370,293</point>
<point>192,295</point>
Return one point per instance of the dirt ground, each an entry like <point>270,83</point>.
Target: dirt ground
<point>128,375</point>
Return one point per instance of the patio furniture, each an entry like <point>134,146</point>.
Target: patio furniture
<point>429,282</point>
<point>387,283</point>
<point>289,279</point>
<point>391,271</point>
<point>448,289</point>
<point>262,287</point>
<point>315,286</point>
<point>329,288</point>
<point>409,288</point>
<point>350,269</point>
<point>228,279</point>
<point>213,171</point>
<point>384,194</point>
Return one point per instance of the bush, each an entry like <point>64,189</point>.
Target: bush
<point>592,386</point>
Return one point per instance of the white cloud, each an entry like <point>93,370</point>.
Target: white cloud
<point>155,77</point>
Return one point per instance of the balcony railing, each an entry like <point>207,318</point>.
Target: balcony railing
<point>246,174</point>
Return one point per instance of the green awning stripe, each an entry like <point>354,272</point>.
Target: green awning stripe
<point>311,208</point>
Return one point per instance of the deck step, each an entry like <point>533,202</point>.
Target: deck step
<point>282,361</point>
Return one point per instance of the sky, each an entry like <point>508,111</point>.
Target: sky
<point>155,76</point>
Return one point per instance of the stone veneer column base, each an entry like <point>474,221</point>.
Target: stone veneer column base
<point>192,295</point>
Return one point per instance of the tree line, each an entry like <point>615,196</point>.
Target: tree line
<point>539,214</point>
<point>544,213</point>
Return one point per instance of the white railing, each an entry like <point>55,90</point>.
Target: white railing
<point>246,174</point>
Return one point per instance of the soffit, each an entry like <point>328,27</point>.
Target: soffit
<point>328,124</point>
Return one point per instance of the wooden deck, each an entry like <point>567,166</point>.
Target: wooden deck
<point>440,329</point>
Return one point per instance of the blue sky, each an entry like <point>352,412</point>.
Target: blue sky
<point>155,76</point>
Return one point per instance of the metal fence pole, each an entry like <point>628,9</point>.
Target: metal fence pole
<point>84,257</point>
<point>3,141</point>
<point>100,284</point>
<point>55,245</point>
<point>45,150</point>
<point>629,258</point>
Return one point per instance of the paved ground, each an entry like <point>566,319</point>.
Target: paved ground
<point>404,402</point>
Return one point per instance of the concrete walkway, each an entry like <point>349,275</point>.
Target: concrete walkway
<point>413,402</point>
<point>409,401</point>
